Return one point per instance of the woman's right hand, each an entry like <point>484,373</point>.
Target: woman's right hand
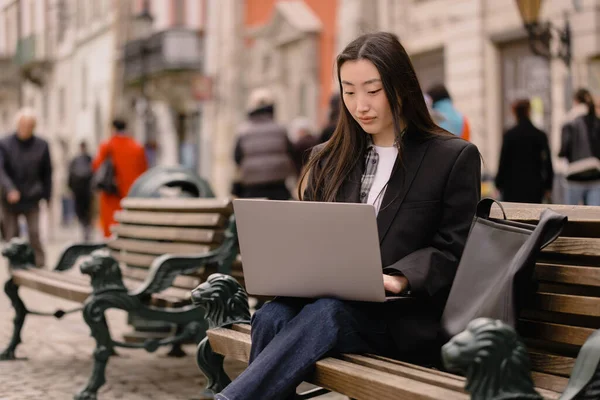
<point>395,283</point>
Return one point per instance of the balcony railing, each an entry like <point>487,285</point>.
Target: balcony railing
<point>32,58</point>
<point>173,50</point>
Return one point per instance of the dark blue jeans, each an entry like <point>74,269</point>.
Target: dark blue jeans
<point>290,335</point>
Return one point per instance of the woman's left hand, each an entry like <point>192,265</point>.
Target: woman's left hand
<point>395,284</point>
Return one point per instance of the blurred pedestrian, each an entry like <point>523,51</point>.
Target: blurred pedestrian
<point>263,152</point>
<point>26,178</point>
<point>525,171</point>
<point>303,140</point>
<point>448,116</point>
<point>129,162</point>
<point>332,120</point>
<point>80,183</point>
<point>580,145</point>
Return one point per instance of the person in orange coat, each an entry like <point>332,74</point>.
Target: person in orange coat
<point>129,162</point>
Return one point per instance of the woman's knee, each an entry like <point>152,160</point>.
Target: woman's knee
<point>272,317</point>
<point>330,311</point>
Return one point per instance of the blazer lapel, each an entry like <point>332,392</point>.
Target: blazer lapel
<point>404,173</point>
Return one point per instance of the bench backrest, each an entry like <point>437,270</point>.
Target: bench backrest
<point>149,228</point>
<point>566,309</point>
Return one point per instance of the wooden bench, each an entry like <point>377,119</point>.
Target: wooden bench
<point>566,310</point>
<point>162,248</point>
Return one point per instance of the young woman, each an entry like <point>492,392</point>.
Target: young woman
<point>424,183</point>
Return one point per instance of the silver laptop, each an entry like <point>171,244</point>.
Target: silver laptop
<point>310,249</point>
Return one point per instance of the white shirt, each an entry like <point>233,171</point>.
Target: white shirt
<point>387,159</point>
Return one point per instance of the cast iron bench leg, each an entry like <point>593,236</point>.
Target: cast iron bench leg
<point>93,314</point>
<point>12,291</point>
<point>211,365</point>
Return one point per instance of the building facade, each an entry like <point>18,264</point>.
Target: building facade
<point>478,48</point>
<point>182,78</point>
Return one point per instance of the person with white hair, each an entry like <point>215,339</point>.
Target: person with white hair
<point>263,152</point>
<point>25,179</point>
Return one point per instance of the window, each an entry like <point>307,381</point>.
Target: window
<point>79,13</point>
<point>32,15</point>
<point>45,102</point>
<point>9,32</point>
<point>62,20</point>
<point>61,104</point>
<point>84,88</point>
<point>179,12</point>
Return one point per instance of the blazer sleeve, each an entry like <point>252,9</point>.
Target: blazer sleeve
<point>431,269</point>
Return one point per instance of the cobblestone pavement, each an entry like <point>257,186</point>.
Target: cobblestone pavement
<point>59,361</point>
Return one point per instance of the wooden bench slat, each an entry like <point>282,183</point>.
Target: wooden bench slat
<point>589,247</point>
<point>362,383</point>
<point>572,274</point>
<point>170,219</point>
<point>73,276</point>
<point>569,304</point>
<point>193,235</point>
<point>554,332</point>
<point>222,206</point>
<point>439,378</point>
<point>584,321</point>
<point>70,286</point>
<point>532,212</point>
<point>139,260</point>
<point>354,380</point>
<point>157,248</point>
<point>551,363</point>
<point>382,364</point>
<point>181,281</point>
<point>55,287</point>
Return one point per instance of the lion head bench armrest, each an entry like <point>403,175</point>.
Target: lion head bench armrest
<point>225,303</point>
<point>496,364</point>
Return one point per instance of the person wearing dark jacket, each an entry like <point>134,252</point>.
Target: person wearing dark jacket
<point>525,171</point>
<point>25,178</point>
<point>263,152</point>
<point>580,146</point>
<point>80,183</point>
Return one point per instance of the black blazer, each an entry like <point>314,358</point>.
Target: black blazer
<point>423,225</point>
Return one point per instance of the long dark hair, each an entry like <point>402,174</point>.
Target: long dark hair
<point>584,96</point>
<point>333,163</point>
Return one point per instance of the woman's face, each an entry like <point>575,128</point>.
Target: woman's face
<point>365,99</point>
